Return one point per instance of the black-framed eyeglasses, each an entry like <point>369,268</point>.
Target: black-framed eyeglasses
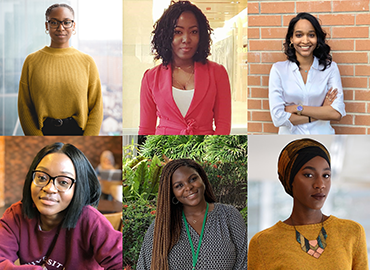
<point>61,182</point>
<point>55,23</point>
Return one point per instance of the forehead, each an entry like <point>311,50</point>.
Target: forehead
<point>57,163</point>
<point>187,18</point>
<point>60,13</point>
<point>183,173</point>
<point>303,25</point>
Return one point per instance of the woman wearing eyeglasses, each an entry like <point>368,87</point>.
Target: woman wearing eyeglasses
<point>55,226</point>
<point>59,89</point>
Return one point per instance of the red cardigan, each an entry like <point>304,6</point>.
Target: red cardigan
<point>211,103</point>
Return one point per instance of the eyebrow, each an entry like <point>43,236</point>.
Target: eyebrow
<point>62,20</point>
<point>62,172</point>
<point>311,31</point>
<point>314,169</point>
<point>188,179</point>
<point>178,26</point>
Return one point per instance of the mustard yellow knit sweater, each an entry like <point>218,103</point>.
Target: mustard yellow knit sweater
<point>60,83</point>
<point>277,248</point>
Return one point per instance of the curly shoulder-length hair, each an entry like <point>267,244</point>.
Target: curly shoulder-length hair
<point>164,30</point>
<point>322,50</point>
<point>87,188</point>
<point>167,227</point>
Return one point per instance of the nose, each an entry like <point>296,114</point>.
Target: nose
<point>319,183</point>
<point>50,187</point>
<point>186,38</point>
<point>188,186</point>
<point>305,38</point>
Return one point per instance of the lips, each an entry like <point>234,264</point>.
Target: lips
<point>319,196</point>
<point>48,200</point>
<point>186,49</point>
<point>305,48</point>
<point>192,195</point>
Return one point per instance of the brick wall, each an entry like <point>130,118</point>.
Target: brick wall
<point>347,24</point>
<point>20,151</point>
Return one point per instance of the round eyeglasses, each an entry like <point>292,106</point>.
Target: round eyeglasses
<point>55,23</point>
<point>61,182</point>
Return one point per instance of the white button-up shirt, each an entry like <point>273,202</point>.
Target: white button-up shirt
<point>286,87</point>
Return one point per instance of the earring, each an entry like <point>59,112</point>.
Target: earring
<point>291,44</point>
<point>318,46</point>
<point>176,200</point>
<point>47,32</point>
<point>74,32</point>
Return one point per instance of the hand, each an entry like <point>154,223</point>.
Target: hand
<point>331,95</point>
<point>291,108</point>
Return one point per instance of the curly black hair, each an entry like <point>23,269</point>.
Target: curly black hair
<point>164,30</point>
<point>322,50</point>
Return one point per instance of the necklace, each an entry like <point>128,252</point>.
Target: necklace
<point>195,255</point>
<point>187,82</point>
<point>312,247</point>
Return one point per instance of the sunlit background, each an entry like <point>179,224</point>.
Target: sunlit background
<point>229,21</point>
<point>349,196</point>
<point>98,33</point>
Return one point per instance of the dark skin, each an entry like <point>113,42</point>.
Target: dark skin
<point>188,188</point>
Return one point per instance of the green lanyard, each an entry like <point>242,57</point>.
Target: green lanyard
<point>195,256</point>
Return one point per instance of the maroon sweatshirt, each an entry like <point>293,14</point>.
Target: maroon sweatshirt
<point>92,244</point>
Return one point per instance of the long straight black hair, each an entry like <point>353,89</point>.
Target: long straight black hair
<point>87,190</point>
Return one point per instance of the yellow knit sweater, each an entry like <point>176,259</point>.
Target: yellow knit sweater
<point>277,248</point>
<point>60,83</point>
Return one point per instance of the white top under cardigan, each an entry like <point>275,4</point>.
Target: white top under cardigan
<point>286,87</point>
<point>182,99</point>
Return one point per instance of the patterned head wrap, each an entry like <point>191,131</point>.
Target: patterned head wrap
<point>294,155</point>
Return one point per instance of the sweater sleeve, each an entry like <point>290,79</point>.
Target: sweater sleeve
<point>222,110</point>
<point>145,258</point>
<point>254,260</point>
<point>9,244</point>
<point>106,244</point>
<point>360,260</point>
<point>26,109</point>
<point>148,109</point>
<point>95,103</point>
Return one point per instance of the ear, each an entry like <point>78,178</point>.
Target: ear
<point>46,26</point>
<point>74,26</point>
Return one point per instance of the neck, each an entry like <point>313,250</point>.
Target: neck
<point>182,63</point>
<point>299,217</point>
<point>49,223</point>
<point>305,61</point>
<point>196,210</point>
<point>59,46</point>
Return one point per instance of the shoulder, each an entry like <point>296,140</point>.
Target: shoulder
<point>14,210</point>
<point>282,64</point>
<point>35,55</point>
<point>231,214</point>
<point>346,225</point>
<point>91,217</point>
<point>213,65</point>
<point>267,234</point>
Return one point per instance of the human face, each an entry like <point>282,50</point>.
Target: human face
<point>185,38</point>
<point>311,184</point>
<point>188,186</point>
<point>48,200</point>
<point>60,36</point>
<point>304,39</point>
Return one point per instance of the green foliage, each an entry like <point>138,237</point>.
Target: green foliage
<point>225,148</point>
<point>141,178</point>
<point>137,216</point>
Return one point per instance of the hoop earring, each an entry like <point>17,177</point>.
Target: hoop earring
<point>47,32</point>
<point>176,200</point>
<point>291,44</point>
<point>74,32</point>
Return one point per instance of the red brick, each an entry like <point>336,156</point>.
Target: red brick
<point>362,95</point>
<point>349,130</point>
<point>253,8</point>
<point>286,19</point>
<point>269,20</point>
<point>259,92</point>
<point>274,32</point>
<point>249,116</point>
<point>265,80</point>
<point>277,7</point>
<point>362,45</point>
<point>353,82</point>
<point>337,19</point>
<point>254,127</point>
<point>254,104</point>
<point>341,44</point>
<point>349,5</point>
<point>350,57</point>
<point>368,108</point>
<point>273,57</point>
<point>350,32</point>
<point>253,32</point>
<point>362,70</point>
<point>348,95</point>
<point>261,116</point>
<point>265,45</point>
<point>270,128</point>
<point>355,107</point>
<point>259,68</point>
<point>346,120</point>
<point>346,70</point>
<point>362,19</point>
<point>313,6</point>
<point>265,104</point>
<point>362,120</point>
<point>254,80</point>
<point>254,57</point>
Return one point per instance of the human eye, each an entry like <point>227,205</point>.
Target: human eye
<point>64,181</point>
<point>53,22</point>
<point>194,32</point>
<point>177,32</point>
<point>312,35</point>
<point>178,186</point>
<point>193,178</point>
<point>41,177</point>
<point>308,175</point>
<point>67,23</point>
<point>327,175</point>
